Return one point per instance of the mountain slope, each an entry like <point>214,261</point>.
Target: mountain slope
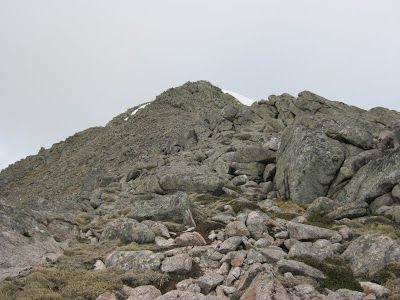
<point>197,157</point>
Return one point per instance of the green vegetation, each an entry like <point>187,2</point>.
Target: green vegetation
<point>390,278</point>
<point>73,278</point>
<point>82,218</point>
<point>320,220</point>
<point>339,275</point>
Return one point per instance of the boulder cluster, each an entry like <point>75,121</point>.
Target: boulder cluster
<point>292,198</point>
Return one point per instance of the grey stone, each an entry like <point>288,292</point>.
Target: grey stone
<point>209,281</point>
<point>236,228</point>
<point>144,292</point>
<point>190,239</point>
<point>173,207</point>
<point>179,264</point>
<point>254,153</point>
<point>371,252</point>
<point>307,163</point>
<point>255,224</point>
<point>230,244</point>
<point>384,200</point>
<point>128,231</point>
<point>349,210</point>
<point>239,180</point>
<point>303,232</point>
<point>269,172</point>
<point>319,207</point>
<point>134,260</point>
<point>379,291</point>
<point>396,192</point>
<point>299,268</point>
<point>263,287</point>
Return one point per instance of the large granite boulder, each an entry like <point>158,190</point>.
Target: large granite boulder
<point>307,164</point>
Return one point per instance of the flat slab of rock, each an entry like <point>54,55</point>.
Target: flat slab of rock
<point>303,232</point>
<point>209,281</point>
<point>299,268</point>
<point>178,264</point>
<point>134,260</point>
<point>230,244</point>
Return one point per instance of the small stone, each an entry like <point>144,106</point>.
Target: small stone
<point>107,296</point>
<point>99,265</point>
<point>239,180</point>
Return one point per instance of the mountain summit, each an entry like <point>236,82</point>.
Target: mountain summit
<point>196,195</point>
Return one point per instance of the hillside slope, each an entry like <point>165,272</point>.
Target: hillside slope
<point>293,188</point>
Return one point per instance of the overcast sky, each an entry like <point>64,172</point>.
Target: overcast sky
<point>69,65</point>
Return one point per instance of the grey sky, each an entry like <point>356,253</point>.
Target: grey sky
<point>72,64</point>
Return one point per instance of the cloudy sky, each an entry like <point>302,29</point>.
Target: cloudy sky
<point>70,64</point>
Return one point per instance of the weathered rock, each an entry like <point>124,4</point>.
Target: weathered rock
<point>190,239</point>
<point>269,172</point>
<point>254,153</point>
<point>144,292</point>
<point>236,228</point>
<point>134,260</point>
<point>179,264</point>
<point>349,210</point>
<point>239,180</point>
<point>185,295</point>
<point>320,250</point>
<point>107,296</point>
<point>378,290</point>
<point>344,294</point>
<point>371,252</point>
<point>175,207</point>
<point>253,170</point>
<point>307,163</point>
<point>182,177</point>
<point>319,207</point>
<point>376,178</point>
<point>99,265</point>
<point>384,200</point>
<point>396,192</point>
<point>128,231</point>
<point>255,224</point>
<point>273,254</point>
<point>303,232</point>
<point>209,281</point>
<point>264,287</point>
<point>299,268</point>
<point>230,244</point>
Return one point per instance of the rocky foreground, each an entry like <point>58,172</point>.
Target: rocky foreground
<point>196,196</point>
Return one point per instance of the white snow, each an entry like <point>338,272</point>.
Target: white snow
<point>243,99</point>
<point>136,110</point>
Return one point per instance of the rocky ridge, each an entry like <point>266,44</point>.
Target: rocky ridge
<point>290,198</point>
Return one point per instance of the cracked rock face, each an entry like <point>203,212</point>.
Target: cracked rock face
<point>220,199</point>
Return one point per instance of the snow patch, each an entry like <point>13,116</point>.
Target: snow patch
<point>243,99</point>
<point>136,110</point>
